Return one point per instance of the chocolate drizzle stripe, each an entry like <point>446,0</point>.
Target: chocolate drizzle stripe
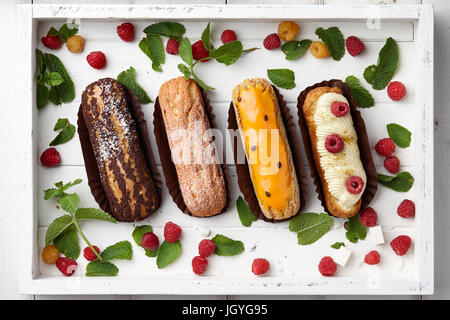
<point>165,155</point>
<point>363,143</point>
<point>242,171</point>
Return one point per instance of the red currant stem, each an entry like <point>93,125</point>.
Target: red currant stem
<point>86,240</point>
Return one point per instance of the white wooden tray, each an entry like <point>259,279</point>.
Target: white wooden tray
<point>294,267</point>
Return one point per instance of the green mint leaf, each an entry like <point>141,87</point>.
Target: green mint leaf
<point>168,252</point>
<point>283,78</point>
<point>67,243</point>
<point>381,74</point>
<point>184,70</point>
<point>400,135</point>
<point>185,51</point>
<point>201,83</point>
<point>50,193</point>
<point>362,97</point>
<point>121,250</point>
<point>66,90</point>
<point>58,226</point>
<point>402,182</point>
<point>228,53</point>
<point>206,37</point>
<point>93,214</point>
<point>337,245</point>
<point>64,33</point>
<point>153,47</point>
<point>334,40</point>
<point>295,49</point>
<point>138,234</point>
<point>101,268</point>
<point>54,96</point>
<point>172,30</point>
<point>67,132</point>
<point>226,246</point>
<point>128,79</point>
<point>245,215</point>
<point>310,226</point>
<point>53,32</point>
<point>355,230</point>
<point>69,184</point>
<point>369,73</point>
<point>42,96</point>
<point>70,203</point>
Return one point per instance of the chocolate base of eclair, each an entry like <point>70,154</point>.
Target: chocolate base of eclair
<point>165,155</point>
<point>90,162</point>
<point>363,143</point>
<point>242,171</point>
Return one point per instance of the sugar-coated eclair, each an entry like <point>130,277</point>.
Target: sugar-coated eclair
<point>267,149</point>
<point>200,176</point>
<point>334,144</point>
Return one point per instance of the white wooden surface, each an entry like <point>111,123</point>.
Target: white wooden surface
<point>8,219</point>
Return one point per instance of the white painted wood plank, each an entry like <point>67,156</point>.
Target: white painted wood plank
<point>442,148</point>
<point>10,230</point>
<point>380,2</point>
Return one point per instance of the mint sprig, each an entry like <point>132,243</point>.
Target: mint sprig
<point>169,29</point>
<point>381,74</point>
<point>153,47</point>
<point>310,226</point>
<point>294,49</point>
<point>128,79</point>
<point>401,182</point>
<point>283,78</point>
<point>362,97</point>
<point>138,234</point>
<point>60,189</point>
<point>226,246</point>
<point>244,212</point>
<point>65,31</point>
<point>334,40</point>
<point>355,230</point>
<point>400,135</point>
<point>67,132</point>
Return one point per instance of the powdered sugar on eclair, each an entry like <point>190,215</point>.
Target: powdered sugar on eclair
<point>338,167</point>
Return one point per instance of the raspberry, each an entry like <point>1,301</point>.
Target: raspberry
<point>392,164</point>
<point>199,51</point>
<point>75,44</point>
<point>89,254</point>
<point>52,42</point>
<point>272,41</point>
<point>260,266</point>
<point>172,232</point>
<point>150,241</point>
<point>354,184</point>
<point>327,266</point>
<point>396,90</point>
<point>401,245</point>
<point>354,46</point>
<point>206,248</point>
<point>50,157</point>
<point>126,31</point>
<point>66,266</point>
<point>96,59</point>
<point>228,36</point>
<point>373,257</point>
<point>319,50</point>
<point>406,209</point>
<point>199,265</point>
<point>50,254</point>
<point>334,143</point>
<point>172,46</point>
<point>288,30</point>
<point>385,147</point>
<point>339,109</point>
<point>368,217</point>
